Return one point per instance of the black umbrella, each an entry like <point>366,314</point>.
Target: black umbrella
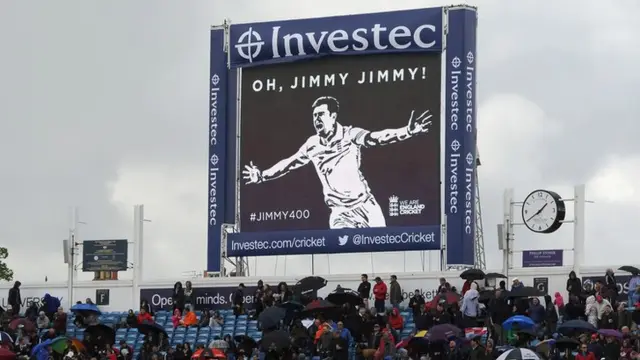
<point>488,295</point>
<point>270,318</point>
<point>443,332</point>
<point>630,269</point>
<point>152,328</point>
<point>323,307</point>
<point>525,291</point>
<point>277,340</point>
<point>472,274</point>
<point>494,275</point>
<point>291,306</point>
<point>101,334</point>
<point>245,342</point>
<point>576,326</point>
<point>343,296</point>
<point>310,284</point>
<point>566,343</point>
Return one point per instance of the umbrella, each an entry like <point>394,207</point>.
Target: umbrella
<point>443,332</point>
<point>544,347</point>
<point>472,274</point>
<point>418,342</point>
<point>291,306</point>
<point>519,354</point>
<point>448,297</point>
<point>275,341</point>
<point>488,295</point>
<point>520,321</point>
<point>26,325</point>
<point>319,306</point>
<point>494,275</point>
<point>61,343</point>
<point>101,334</point>
<point>576,326</point>
<point>208,354</point>
<point>345,296</point>
<point>610,332</point>
<point>566,343</point>
<point>271,317</point>
<point>148,327</point>
<point>630,269</point>
<point>525,291</point>
<point>85,309</point>
<point>310,284</point>
<point>43,345</point>
<point>245,342</point>
<point>5,338</point>
<point>6,354</point>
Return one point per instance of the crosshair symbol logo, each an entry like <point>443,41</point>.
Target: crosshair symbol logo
<point>249,45</point>
<point>456,62</point>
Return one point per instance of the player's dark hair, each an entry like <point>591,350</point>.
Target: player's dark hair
<point>332,103</point>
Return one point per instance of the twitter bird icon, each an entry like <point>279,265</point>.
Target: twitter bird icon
<point>342,240</point>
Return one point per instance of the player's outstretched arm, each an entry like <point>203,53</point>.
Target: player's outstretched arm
<point>252,175</point>
<point>417,125</point>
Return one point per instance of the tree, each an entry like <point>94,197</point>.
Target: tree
<point>6,274</point>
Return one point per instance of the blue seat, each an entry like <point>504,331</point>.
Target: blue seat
<point>180,329</point>
<point>192,330</point>
<point>131,342</point>
<point>80,336</point>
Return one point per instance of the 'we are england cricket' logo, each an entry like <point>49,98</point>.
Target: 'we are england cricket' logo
<point>399,207</point>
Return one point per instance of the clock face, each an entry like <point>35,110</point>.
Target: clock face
<point>543,211</point>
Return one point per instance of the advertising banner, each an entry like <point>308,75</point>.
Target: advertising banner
<point>542,284</point>
<point>291,40</point>
<point>460,136</point>
<point>542,258</point>
<point>340,143</point>
<point>217,149</point>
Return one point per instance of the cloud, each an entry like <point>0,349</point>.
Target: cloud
<point>104,106</point>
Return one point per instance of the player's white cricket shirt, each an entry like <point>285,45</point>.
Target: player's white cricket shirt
<point>338,166</point>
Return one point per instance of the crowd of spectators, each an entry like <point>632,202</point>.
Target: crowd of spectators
<point>592,320</point>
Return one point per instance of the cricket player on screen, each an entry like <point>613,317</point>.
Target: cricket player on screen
<point>335,153</point>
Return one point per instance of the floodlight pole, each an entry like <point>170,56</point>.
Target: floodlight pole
<point>73,238</point>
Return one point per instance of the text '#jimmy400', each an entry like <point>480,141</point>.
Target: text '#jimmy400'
<point>280,215</point>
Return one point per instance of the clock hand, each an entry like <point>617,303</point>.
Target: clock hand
<point>538,212</point>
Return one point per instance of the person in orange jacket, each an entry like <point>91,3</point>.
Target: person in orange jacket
<point>189,318</point>
<point>379,294</point>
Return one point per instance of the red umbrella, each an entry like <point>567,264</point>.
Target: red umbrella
<point>26,325</point>
<point>6,354</point>
<point>448,298</point>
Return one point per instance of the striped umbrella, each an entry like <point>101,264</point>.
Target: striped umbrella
<point>519,354</point>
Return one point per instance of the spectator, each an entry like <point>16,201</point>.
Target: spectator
<point>284,294</point>
<point>608,319</point>
<point>50,304</point>
<point>144,316</point>
<point>536,311</point>
<point>42,322</point>
<point>238,300</point>
<point>396,320</point>
<point>591,310</point>
<point>32,312</point>
<point>144,304</point>
<point>189,318</point>
<point>470,307</point>
<point>574,285</point>
<point>188,294</point>
<point>466,286</point>
<point>395,292</point>
<point>257,298</point>
<point>364,289</point>
<point>379,294</point>
<point>132,320</point>
<point>441,285</point>
<point>517,284</point>
<point>416,303</point>
<point>60,321</point>
<point>551,315</point>
<point>584,353</point>
<point>14,299</point>
<point>611,286</point>
<point>175,319</point>
<point>205,319</point>
<point>178,296</point>
<point>216,319</point>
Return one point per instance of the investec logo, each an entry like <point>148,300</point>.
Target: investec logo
<point>251,43</point>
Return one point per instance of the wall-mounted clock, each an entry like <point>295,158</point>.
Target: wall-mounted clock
<point>543,211</point>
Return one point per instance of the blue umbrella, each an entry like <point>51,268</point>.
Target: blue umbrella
<point>5,338</point>
<point>85,308</point>
<point>520,321</point>
<point>36,349</point>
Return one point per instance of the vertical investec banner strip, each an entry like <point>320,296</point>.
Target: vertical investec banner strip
<point>217,147</point>
<point>460,136</point>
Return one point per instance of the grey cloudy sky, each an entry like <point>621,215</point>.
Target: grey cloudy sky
<point>104,105</point>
